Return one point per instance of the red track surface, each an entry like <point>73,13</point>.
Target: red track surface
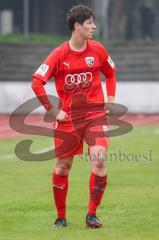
<point>135,119</point>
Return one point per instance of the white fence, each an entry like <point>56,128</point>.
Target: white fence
<point>138,97</point>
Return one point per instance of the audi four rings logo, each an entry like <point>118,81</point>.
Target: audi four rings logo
<point>81,80</point>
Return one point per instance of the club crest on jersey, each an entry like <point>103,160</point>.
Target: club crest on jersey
<point>90,61</point>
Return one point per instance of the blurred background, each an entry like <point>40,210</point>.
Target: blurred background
<point>30,29</point>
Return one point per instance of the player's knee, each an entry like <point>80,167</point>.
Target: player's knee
<point>98,160</point>
<point>63,169</point>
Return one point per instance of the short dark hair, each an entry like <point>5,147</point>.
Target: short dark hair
<point>79,14</point>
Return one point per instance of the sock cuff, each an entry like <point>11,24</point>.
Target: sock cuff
<point>59,179</point>
<point>60,176</point>
<point>98,178</point>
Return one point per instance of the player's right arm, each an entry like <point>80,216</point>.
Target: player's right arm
<point>42,75</point>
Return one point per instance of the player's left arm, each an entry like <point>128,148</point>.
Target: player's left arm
<point>108,68</point>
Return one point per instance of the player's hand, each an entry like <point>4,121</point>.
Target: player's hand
<point>62,116</point>
<point>108,109</point>
<point>50,116</point>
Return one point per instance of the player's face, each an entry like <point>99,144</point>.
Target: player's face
<point>87,29</point>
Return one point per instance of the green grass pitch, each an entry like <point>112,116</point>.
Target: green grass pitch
<point>130,207</point>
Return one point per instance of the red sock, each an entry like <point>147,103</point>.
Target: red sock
<point>60,187</point>
<point>97,187</point>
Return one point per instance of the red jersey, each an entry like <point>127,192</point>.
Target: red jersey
<point>77,72</point>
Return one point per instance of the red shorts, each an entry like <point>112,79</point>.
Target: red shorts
<point>69,137</point>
